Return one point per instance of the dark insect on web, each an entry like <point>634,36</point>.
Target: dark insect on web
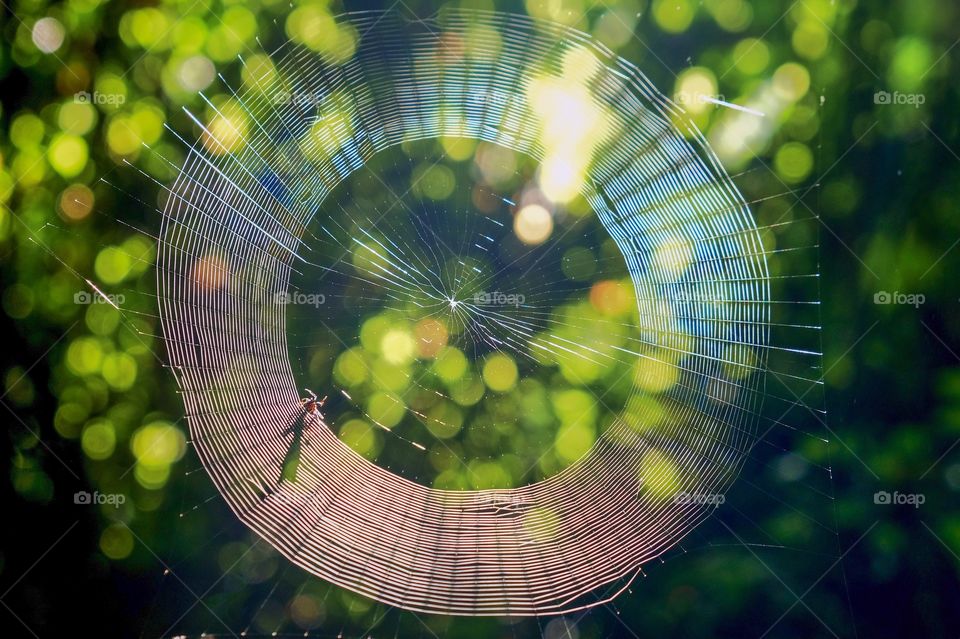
<point>313,405</point>
<point>291,462</point>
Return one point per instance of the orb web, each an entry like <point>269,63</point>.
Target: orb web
<point>240,224</point>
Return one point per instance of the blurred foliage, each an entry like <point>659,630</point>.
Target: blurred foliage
<point>86,84</point>
<point>484,344</point>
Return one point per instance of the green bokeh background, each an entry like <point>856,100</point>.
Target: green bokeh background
<point>89,405</point>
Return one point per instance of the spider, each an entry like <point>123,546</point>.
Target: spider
<point>313,405</point>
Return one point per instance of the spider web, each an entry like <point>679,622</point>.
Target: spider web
<point>261,212</point>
